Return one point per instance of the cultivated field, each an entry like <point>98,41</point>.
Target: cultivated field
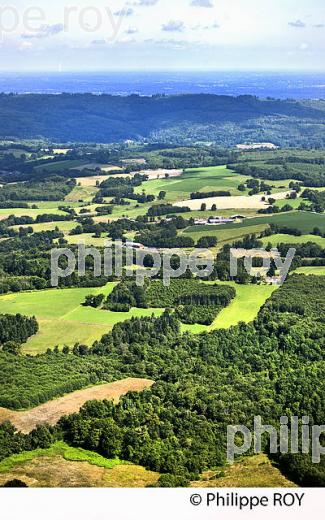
<point>52,411</point>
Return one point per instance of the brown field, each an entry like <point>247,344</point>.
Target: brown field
<point>56,472</point>
<point>91,181</point>
<point>52,411</point>
<point>160,173</point>
<point>256,471</point>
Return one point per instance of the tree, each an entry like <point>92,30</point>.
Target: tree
<point>15,483</point>
<point>12,348</point>
<point>203,207</point>
<point>162,195</point>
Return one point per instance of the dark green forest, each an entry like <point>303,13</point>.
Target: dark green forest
<point>104,119</point>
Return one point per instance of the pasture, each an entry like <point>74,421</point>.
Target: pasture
<point>244,307</point>
<point>315,271</point>
<point>292,239</point>
<point>62,318</point>
<point>303,220</point>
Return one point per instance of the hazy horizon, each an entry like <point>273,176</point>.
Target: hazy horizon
<point>287,35</point>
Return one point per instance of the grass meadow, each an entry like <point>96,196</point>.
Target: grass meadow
<point>62,318</point>
<point>244,307</point>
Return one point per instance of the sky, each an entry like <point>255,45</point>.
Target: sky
<point>162,35</point>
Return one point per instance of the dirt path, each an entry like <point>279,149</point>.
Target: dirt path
<point>52,411</point>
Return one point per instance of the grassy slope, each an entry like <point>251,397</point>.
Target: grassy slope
<point>63,466</point>
<point>249,472</point>
<point>291,239</point>
<point>62,318</point>
<point>305,221</point>
<point>318,271</point>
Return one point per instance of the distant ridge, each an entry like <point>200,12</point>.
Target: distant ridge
<point>178,118</point>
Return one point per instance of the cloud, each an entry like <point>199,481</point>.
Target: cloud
<point>126,11</point>
<point>145,3</point>
<point>173,26</point>
<point>200,27</point>
<point>319,26</point>
<point>98,42</point>
<point>131,30</point>
<point>202,3</point>
<point>44,31</point>
<point>298,24</point>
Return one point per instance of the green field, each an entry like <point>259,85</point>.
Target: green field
<point>214,178</point>
<point>65,226</point>
<point>27,212</point>
<point>60,166</point>
<point>62,318</point>
<point>244,307</point>
<point>316,271</point>
<point>292,239</point>
<point>302,220</point>
<point>87,238</point>
<point>59,448</point>
<point>294,203</point>
<point>223,233</point>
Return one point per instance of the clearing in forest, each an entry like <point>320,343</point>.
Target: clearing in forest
<point>52,411</point>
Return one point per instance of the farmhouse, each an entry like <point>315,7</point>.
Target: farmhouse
<point>214,221</point>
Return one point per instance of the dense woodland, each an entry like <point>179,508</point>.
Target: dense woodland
<point>193,301</point>
<point>227,120</point>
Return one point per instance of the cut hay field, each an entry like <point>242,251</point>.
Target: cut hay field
<point>256,471</point>
<point>62,466</point>
<point>91,181</point>
<point>244,307</point>
<point>62,318</point>
<point>292,239</point>
<point>51,412</point>
<point>233,202</point>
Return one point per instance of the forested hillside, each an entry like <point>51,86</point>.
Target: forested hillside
<point>224,119</point>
